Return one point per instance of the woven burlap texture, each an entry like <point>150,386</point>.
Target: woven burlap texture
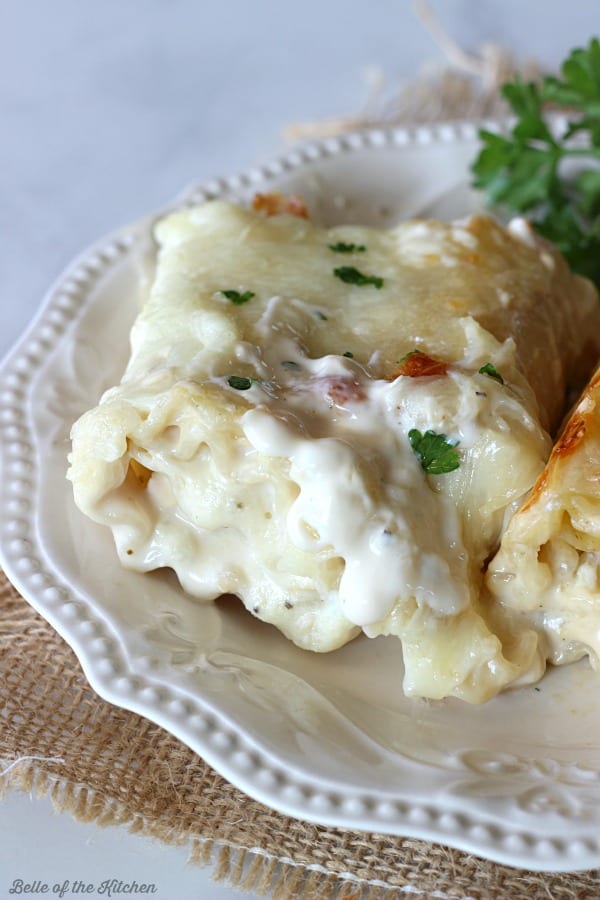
<point>110,766</point>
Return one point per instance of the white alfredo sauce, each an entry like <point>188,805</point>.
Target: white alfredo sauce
<point>374,535</point>
<point>363,493</point>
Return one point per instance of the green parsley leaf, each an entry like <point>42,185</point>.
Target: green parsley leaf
<point>350,275</point>
<point>341,247</point>
<point>435,452</point>
<point>239,382</point>
<point>319,315</point>
<point>491,370</point>
<point>526,172</point>
<point>238,298</point>
<point>348,354</point>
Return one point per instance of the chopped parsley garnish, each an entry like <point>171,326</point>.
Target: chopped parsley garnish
<point>319,315</point>
<point>239,382</point>
<point>349,354</point>
<point>491,370</point>
<point>525,172</point>
<point>341,247</point>
<point>435,452</point>
<point>237,297</point>
<point>291,366</point>
<point>350,275</point>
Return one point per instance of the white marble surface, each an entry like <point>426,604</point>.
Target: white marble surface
<point>109,110</point>
<point>39,846</point>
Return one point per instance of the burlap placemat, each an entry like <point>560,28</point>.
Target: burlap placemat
<point>109,766</point>
<point>106,765</point>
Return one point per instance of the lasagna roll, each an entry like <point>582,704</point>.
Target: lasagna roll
<point>333,424</point>
<point>548,567</point>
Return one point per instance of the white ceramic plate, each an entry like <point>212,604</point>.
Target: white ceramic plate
<point>328,738</point>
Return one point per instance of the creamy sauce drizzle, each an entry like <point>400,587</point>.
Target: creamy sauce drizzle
<point>364,496</point>
<point>336,508</point>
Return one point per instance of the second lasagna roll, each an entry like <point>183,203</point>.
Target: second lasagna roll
<point>548,567</point>
<point>333,424</point>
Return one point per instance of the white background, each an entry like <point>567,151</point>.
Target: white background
<point>109,109</point>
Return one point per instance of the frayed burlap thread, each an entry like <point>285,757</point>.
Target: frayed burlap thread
<point>105,765</point>
<point>458,86</point>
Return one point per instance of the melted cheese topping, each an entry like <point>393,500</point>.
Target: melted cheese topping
<point>258,443</point>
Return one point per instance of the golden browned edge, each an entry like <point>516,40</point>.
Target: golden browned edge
<point>572,437</point>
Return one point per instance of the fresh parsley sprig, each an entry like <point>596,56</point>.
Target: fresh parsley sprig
<point>435,452</point>
<point>526,171</point>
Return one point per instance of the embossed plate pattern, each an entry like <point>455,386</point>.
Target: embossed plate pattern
<point>325,738</point>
